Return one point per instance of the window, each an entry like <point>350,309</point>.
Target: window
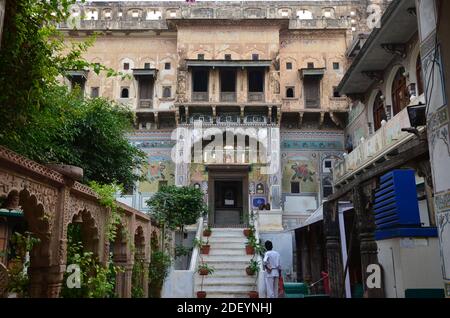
<point>336,92</point>
<point>126,66</point>
<point>304,15</point>
<point>255,81</point>
<point>167,66</point>
<point>228,57</point>
<point>255,57</point>
<point>400,98</point>
<point>161,184</point>
<point>379,113</point>
<point>200,80</point>
<point>327,188</point>
<point>200,57</point>
<point>336,66</point>
<point>167,91</point>
<point>311,87</point>
<point>227,80</point>
<point>310,65</point>
<point>290,92</point>
<point>124,92</point>
<point>95,92</point>
<point>147,66</point>
<point>327,165</point>
<point>295,187</point>
<point>289,66</point>
<point>419,76</point>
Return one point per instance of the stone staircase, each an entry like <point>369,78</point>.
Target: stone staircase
<point>228,258</point>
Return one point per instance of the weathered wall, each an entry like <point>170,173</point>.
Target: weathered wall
<point>115,50</point>
<point>302,157</point>
<point>323,48</point>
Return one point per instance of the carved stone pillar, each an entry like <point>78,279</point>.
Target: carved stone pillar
<point>306,263</point>
<point>368,245</point>
<point>333,249</point>
<point>316,258</point>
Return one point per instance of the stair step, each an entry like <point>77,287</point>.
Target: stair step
<point>228,288</point>
<point>226,295</point>
<point>227,272</point>
<point>227,245</point>
<point>239,241</point>
<point>227,252</point>
<point>229,260</point>
<point>226,281</point>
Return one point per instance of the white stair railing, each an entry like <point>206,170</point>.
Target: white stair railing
<point>260,285</point>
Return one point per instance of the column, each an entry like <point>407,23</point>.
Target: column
<point>368,245</point>
<point>333,250</point>
<point>435,52</point>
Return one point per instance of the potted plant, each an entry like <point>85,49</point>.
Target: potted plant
<point>204,246</point>
<point>207,232</point>
<point>250,247</point>
<point>254,293</point>
<point>252,268</point>
<point>203,270</point>
<point>249,231</point>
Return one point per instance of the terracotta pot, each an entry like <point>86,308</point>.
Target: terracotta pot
<point>248,232</point>
<point>253,294</point>
<point>207,233</point>
<point>203,271</point>
<point>249,271</point>
<point>201,294</point>
<point>205,249</point>
<point>250,250</point>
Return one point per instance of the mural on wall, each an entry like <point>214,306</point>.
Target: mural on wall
<point>198,173</point>
<point>300,168</point>
<point>158,168</point>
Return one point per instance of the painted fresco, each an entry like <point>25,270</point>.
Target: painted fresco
<point>158,168</point>
<point>198,173</point>
<point>301,168</point>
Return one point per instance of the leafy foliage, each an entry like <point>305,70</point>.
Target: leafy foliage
<point>158,271</point>
<point>136,279</point>
<point>97,281</point>
<point>18,278</point>
<point>107,193</point>
<point>176,207</point>
<point>41,119</point>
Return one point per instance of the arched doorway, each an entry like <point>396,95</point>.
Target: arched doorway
<point>140,267</point>
<point>379,112</point>
<point>82,252</point>
<point>419,76</point>
<point>25,247</point>
<point>400,96</point>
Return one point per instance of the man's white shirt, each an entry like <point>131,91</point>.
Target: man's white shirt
<point>272,260</point>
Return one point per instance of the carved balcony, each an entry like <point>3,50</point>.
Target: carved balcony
<point>200,96</point>
<point>255,97</point>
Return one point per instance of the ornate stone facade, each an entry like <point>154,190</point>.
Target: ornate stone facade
<point>50,202</point>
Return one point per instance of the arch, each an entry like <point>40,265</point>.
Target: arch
<point>378,111</point>
<point>414,76</point>
<point>242,149</point>
<point>38,225</point>
<point>89,230</point>
<point>389,86</point>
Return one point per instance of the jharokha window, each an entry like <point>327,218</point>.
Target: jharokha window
<point>378,111</point>
<point>419,76</point>
<point>400,96</point>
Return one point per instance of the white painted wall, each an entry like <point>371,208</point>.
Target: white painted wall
<point>282,243</point>
<point>409,263</point>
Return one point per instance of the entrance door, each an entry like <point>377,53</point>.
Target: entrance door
<point>228,202</point>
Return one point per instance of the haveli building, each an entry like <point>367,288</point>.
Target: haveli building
<point>338,93</point>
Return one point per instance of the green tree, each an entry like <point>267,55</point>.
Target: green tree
<point>174,207</point>
<point>41,119</point>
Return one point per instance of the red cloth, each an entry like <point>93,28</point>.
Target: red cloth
<point>280,287</point>
<point>326,282</point>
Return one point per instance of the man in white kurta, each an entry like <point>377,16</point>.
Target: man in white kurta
<point>272,269</point>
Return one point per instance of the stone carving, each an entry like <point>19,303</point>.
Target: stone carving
<point>3,280</point>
